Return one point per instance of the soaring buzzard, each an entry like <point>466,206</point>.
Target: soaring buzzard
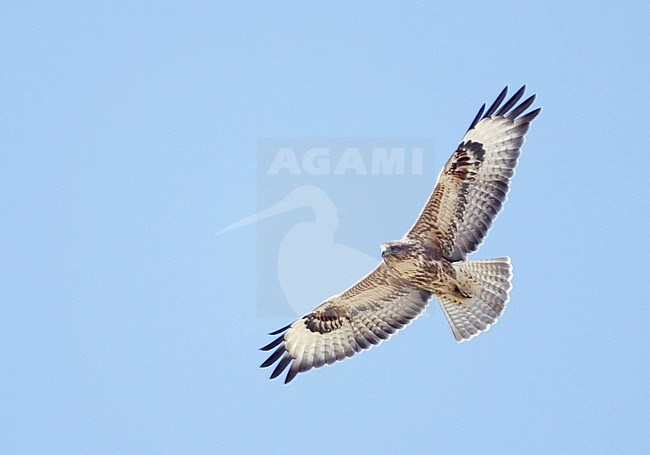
<point>431,259</point>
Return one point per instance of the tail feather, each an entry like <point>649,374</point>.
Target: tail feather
<point>487,284</point>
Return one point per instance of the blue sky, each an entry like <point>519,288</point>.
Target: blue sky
<point>130,137</point>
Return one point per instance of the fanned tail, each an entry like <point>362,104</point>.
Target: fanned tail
<point>482,297</point>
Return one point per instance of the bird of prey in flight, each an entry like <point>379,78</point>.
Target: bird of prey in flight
<point>431,259</point>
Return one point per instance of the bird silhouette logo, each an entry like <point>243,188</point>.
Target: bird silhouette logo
<point>311,265</point>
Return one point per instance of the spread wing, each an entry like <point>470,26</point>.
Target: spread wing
<point>474,183</point>
<point>367,313</point>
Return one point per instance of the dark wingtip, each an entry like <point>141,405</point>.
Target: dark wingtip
<point>497,102</point>
<point>279,331</point>
<point>507,106</point>
<point>286,359</point>
<point>512,101</point>
<point>273,357</point>
<point>291,374</point>
<point>272,344</point>
<point>477,118</point>
<point>530,116</point>
<point>517,111</point>
<point>281,366</point>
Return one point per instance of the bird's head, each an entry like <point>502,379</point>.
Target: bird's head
<point>401,250</point>
<point>406,257</point>
<point>397,250</point>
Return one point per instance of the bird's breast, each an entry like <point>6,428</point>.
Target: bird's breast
<point>421,271</point>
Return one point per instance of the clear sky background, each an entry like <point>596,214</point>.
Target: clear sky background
<point>129,138</point>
